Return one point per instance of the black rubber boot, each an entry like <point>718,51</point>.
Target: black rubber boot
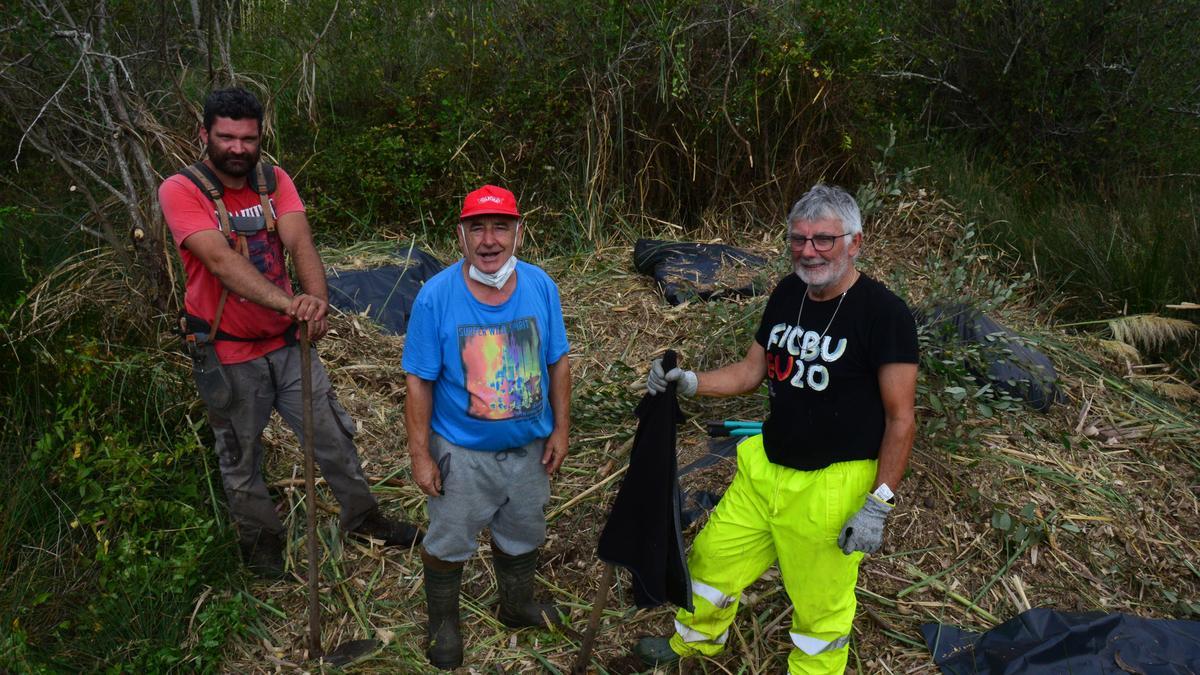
<point>514,576</point>
<point>442,582</point>
<point>262,553</point>
<point>392,532</point>
<point>655,651</point>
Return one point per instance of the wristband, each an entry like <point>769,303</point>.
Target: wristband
<point>884,494</point>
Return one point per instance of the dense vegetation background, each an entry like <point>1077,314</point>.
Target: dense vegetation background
<point>1068,131</point>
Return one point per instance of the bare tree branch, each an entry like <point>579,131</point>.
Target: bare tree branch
<point>729,74</point>
<point>910,75</point>
<point>70,76</point>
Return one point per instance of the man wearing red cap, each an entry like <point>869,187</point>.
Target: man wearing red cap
<point>489,391</point>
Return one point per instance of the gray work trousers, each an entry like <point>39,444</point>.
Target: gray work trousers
<point>271,382</point>
<point>504,491</point>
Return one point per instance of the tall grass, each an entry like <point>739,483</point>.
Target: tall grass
<point>1121,245</point>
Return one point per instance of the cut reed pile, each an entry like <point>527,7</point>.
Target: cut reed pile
<point>1092,506</point>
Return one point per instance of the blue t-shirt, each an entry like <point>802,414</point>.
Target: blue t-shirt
<point>489,363</point>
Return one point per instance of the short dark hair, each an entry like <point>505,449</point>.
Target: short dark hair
<point>235,103</point>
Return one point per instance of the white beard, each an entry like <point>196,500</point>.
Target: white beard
<point>824,276</point>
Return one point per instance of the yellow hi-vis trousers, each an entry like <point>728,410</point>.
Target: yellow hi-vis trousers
<point>770,513</point>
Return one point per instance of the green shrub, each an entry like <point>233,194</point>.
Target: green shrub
<point>672,110</point>
<point>29,251</point>
<point>109,529</point>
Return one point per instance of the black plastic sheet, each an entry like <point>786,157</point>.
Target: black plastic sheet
<point>1048,642</point>
<point>388,291</point>
<point>697,503</point>
<point>690,271</point>
<point>1010,364</point>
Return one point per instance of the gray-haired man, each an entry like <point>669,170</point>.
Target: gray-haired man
<point>839,352</point>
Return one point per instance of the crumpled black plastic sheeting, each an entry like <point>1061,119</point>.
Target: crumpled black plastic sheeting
<point>696,505</point>
<point>1012,366</point>
<point>690,271</point>
<point>388,291</point>
<point>1044,641</point>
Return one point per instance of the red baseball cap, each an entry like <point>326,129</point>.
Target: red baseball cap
<point>489,200</point>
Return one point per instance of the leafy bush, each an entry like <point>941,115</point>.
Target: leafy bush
<point>673,110</point>
<point>108,530</point>
<point>29,251</point>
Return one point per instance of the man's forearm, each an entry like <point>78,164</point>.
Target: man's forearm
<point>897,387</point>
<point>296,235</point>
<point>742,377</point>
<point>894,451</point>
<point>418,412</point>
<point>237,274</point>
<point>560,393</point>
<point>310,271</point>
<point>731,380</point>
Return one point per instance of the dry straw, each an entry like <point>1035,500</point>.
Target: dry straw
<point>1150,332</point>
<point>1088,507</point>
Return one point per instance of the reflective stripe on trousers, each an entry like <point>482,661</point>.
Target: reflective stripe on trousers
<point>716,597</point>
<point>813,646</point>
<point>691,636</point>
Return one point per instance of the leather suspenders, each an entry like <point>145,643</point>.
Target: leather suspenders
<point>262,179</point>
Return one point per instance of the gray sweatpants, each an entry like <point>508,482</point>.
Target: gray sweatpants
<point>505,491</point>
<point>273,382</point>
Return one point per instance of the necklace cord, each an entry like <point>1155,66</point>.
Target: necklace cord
<point>835,312</point>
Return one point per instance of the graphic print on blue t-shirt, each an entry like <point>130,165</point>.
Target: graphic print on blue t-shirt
<point>502,369</point>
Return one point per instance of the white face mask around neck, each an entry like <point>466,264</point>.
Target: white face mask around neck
<point>496,279</point>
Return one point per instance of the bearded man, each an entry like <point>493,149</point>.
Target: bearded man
<point>232,218</point>
<point>814,490</point>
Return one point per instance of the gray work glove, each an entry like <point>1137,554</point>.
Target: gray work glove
<point>864,531</point>
<point>657,382</point>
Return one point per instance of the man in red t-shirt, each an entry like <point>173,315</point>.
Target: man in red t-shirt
<point>255,340</point>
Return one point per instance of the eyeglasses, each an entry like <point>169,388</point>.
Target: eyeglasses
<point>820,242</point>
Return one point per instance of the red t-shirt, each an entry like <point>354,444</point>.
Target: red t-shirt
<point>187,211</point>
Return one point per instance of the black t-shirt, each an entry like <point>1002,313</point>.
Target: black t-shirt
<point>824,384</point>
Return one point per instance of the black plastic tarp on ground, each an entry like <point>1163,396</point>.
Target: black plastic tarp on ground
<point>389,291</point>
<point>691,271</point>
<point>1047,642</point>
<point>1010,364</point>
<point>697,503</point>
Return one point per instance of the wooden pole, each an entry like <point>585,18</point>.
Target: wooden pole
<point>589,638</point>
<point>310,496</point>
